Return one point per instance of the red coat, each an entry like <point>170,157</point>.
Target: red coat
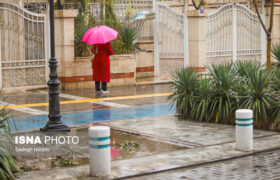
<point>101,62</point>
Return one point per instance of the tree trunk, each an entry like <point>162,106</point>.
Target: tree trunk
<point>268,51</point>
<point>102,11</point>
<point>267,32</point>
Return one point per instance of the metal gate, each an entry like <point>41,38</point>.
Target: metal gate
<point>233,33</point>
<point>23,51</point>
<point>168,39</point>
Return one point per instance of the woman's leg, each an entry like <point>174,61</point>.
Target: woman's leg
<point>97,85</point>
<point>104,86</point>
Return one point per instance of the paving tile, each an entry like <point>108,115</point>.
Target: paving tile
<point>260,166</point>
<point>170,128</point>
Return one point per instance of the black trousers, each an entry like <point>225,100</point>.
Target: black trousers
<point>103,86</point>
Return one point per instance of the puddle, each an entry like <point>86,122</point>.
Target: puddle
<point>123,146</point>
<point>143,146</point>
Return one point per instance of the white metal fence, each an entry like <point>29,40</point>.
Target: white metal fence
<point>171,32</point>
<point>23,47</point>
<point>169,39</point>
<point>233,33</point>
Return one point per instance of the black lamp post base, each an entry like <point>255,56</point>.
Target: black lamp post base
<point>54,124</point>
<point>55,128</point>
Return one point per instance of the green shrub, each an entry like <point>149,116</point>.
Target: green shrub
<point>276,115</point>
<point>201,101</point>
<point>81,49</point>
<point>228,88</point>
<point>275,86</point>
<point>257,95</point>
<point>276,54</point>
<point>7,162</point>
<point>117,44</point>
<point>128,35</point>
<point>223,100</point>
<point>83,22</point>
<point>184,86</point>
<point>275,80</point>
<point>244,69</point>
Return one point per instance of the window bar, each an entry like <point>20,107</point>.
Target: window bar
<point>33,36</point>
<point>38,40</point>
<point>9,44</point>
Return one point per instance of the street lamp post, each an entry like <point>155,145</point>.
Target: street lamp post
<point>54,124</point>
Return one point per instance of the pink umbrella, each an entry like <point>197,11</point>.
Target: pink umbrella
<point>100,35</point>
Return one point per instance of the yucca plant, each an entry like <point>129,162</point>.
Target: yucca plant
<point>244,69</point>
<point>275,80</point>
<point>276,115</point>
<point>275,86</point>
<point>202,99</point>
<point>223,99</point>
<point>228,87</point>
<point>128,35</point>
<point>257,95</point>
<point>276,54</point>
<point>184,86</point>
<point>7,162</point>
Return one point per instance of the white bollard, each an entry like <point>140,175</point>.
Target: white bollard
<point>99,152</point>
<point>244,129</point>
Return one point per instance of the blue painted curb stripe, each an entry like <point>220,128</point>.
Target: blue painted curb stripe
<point>30,122</point>
<point>248,119</point>
<point>99,146</point>
<point>99,138</point>
<point>244,124</point>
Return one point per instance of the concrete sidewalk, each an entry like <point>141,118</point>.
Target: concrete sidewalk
<point>206,142</point>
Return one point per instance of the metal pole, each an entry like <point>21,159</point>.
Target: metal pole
<point>234,32</point>
<point>186,35</point>
<point>156,31</point>
<point>54,124</point>
<point>47,43</point>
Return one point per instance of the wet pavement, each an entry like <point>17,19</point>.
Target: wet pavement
<point>205,143</point>
<point>143,110</point>
<point>260,166</point>
<point>170,128</point>
<point>34,103</point>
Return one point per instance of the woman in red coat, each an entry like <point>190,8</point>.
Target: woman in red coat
<point>101,66</point>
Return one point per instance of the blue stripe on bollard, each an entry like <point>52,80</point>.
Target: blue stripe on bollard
<point>99,138</point>
<point>244,124</point>
<point>248,119</point>
<point>99,146</point>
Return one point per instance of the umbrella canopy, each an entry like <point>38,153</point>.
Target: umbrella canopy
<point>100,35</point>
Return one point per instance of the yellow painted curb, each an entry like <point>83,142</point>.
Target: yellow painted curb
<point>89,100</point>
